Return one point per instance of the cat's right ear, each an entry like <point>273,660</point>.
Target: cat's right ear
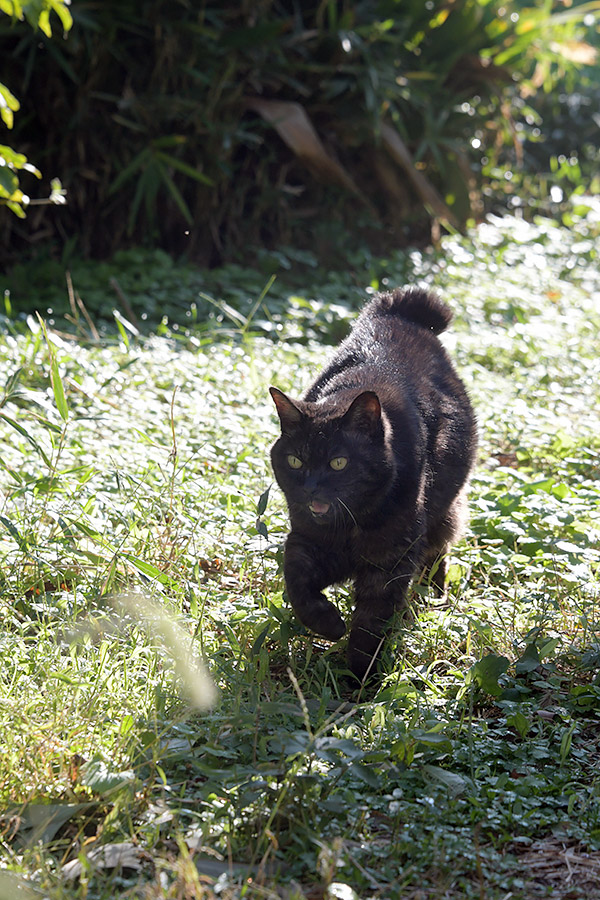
<point>364,413</point>
<point>289,414</point>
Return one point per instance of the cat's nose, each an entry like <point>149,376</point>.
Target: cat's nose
<point>310,485</point>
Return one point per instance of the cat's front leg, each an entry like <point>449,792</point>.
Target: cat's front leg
<point>307,569</point>
<point>378,595</point>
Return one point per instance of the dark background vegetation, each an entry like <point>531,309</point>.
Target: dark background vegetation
<point>208,129</point>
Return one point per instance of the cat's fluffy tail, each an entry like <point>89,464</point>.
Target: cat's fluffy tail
<point>417,305</point>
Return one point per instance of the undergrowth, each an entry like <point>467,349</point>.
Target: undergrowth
<point>140,535</point>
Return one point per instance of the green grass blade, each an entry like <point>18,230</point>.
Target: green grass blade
<point>24,433</point>
<point>58,389</point>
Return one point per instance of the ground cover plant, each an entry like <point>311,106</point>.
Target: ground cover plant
<point>140,533</point>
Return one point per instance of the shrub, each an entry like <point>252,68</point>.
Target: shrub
<point>210,129</point>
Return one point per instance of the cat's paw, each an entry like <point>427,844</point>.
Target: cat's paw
<point>326,621</point>
<point>363,665</point>
<point>363,655</point>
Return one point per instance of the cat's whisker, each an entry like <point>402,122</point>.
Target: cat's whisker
<point>348,510</point>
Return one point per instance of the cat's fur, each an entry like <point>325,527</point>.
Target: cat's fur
<point>391,404</point>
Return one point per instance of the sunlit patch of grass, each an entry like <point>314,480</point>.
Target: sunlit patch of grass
<point>150,478</point>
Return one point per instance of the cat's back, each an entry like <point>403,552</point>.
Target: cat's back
<point>394,337</point>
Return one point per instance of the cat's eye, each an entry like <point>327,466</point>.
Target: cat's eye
<point>338,463</point>
<point>294,462</point>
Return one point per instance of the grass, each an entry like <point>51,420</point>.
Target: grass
<point>140,534</point>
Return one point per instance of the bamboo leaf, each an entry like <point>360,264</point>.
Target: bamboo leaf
<point>58,389</point>
<point>24,433</point>
<point>55,379</point>
<point>185,168</point>
<point>176,196</point>
<point>138,162</point>
<point>14,531</point>
<point>147,569</point>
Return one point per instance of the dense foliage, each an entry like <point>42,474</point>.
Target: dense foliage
<point>37,14</point>
<point>210,127</point>
<point>138,531</point>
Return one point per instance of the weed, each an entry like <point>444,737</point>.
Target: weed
<point>140,532</point>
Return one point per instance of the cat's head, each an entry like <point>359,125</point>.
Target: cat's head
<point>333,459</point>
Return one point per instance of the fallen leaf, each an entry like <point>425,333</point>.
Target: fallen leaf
<point>294,127</point>
<point>125,855</point>
<point>400,153</point>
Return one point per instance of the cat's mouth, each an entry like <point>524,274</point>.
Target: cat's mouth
<point>319,508</point>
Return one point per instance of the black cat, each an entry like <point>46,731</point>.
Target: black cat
<point>374,462</point>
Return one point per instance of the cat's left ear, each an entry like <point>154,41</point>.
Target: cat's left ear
<point>364,413</point>
<point>289,414</point>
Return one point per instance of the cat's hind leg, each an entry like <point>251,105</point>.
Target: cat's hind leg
<point>378,595</point>
<point>440,536</point>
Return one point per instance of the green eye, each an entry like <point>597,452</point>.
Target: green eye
<point>294,462</point>
<point>338,463</point>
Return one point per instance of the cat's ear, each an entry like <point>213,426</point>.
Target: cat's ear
<point>364,413</point>
<point>289,414</point>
